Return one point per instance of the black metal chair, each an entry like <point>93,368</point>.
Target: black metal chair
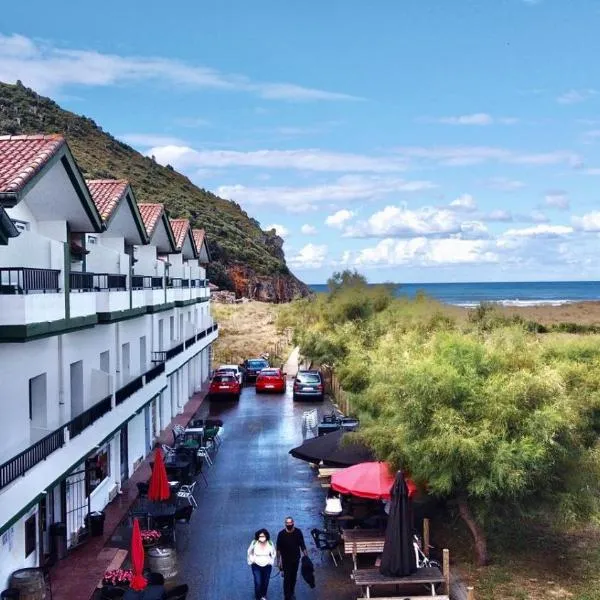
<point>111,592</point>
<point>177,593</point>
<point>142,516</point>
<point>327,541</point>
<point>156,578</point>
<point>143,487</point>
<point>184,514</point>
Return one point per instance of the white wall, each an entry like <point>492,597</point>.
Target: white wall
<point>12,550</point>
<point>136,440</point>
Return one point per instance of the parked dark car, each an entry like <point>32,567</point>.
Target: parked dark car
<point>308,385</point>
<point>253,366</point>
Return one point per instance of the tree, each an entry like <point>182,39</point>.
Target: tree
<point>487,423</point>
<point>345,279</point>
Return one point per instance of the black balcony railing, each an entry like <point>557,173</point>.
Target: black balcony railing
<point>23,280</point>
<point>110,282</point>
<point>190,341</point>
<point>154,372</point>
<point>82,282</point>
<point>19,465</point>
<point>138,282</point>
<point>157,283</point>
<point>174,351</point>
<point>160,356</point>
<point>185,283</point>
<point>88,417</point>
<point>129,389</point>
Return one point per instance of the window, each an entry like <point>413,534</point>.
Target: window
<point>30,535</point>
<point>97,468</point>
<point>105,361</point>
<point>172,327</point>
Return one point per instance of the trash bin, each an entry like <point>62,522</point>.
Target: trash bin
<point>96,523</point>
<point>58,541</point>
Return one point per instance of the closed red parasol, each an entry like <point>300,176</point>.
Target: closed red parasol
<point>159,483</point>
<point>372,480</point>
<point>137,558</point>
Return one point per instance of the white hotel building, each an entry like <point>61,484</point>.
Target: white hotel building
<point>105,333</point>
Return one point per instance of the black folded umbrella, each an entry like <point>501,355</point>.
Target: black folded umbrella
<point>398,557</point>
<point>336,449</point>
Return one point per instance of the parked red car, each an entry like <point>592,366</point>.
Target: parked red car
<point>225,385</point>
<point>270,380</point>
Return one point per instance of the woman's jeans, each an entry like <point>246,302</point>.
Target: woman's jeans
<point>261,580</point>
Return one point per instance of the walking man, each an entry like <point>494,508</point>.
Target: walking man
<point>290,544</point>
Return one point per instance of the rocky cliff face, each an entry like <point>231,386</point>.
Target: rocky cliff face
<point>275,288</point>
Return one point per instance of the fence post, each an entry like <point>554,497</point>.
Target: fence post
<point>470,593</point>
<point>446,569</point>
<point>426,537</point>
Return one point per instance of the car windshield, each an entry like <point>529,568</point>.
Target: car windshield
<point>224,378</point>
<point>309,378</point>
<point>270,372</point>
<point>257,364</point>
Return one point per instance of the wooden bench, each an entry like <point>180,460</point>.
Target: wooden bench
<point>325,472</point>
<point>363,541</point>
<point>429,576</point>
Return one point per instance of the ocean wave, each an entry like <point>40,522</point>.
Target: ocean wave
<point>517,303</point>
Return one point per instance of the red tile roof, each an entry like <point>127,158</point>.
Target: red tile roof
<point>107,193</point>
<point>151,214</point>
<point>22,156</point>
<point>198,238</point>
<point>180,229</point>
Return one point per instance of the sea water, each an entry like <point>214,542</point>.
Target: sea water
<point>522,293</point>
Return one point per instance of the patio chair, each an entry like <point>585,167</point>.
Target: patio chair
<point>112,592</point>
<point>211,436</point>
<point>141,515</point>
<point>177,593</point>
<point>142,487</point>
<point>156,578</point>
<point>165,524</point>
<point>184,514</point>
<point>327,542</point>
<point>178,430</point>
<point>187,492</point>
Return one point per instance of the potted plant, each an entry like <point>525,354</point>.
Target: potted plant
<point>118,577</point>
<point>150,537</point>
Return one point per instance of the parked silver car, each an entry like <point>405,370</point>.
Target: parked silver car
<point>308,385</point>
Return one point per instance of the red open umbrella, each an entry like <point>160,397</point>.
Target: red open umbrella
<point>159,483</point>
<point>137,559</point>
<point>372,480</point>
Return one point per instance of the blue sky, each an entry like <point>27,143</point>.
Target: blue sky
<point>414,140</point>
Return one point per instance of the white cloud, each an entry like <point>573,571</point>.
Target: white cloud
<point>312,256</point>
<point>503,184</point>
<point>307,229</point>
<point>145,140</point>
<point>472,155</point>
<point>465,203</point>
<point>475,119</point>
<point>540,231</point>
<point>576,96</point>
<point>344,189</point>
<point>339,218</point>
<point>304,159</point>
<point>421,251</point>
<point>49,69</point>
<point>280,230</point>
<point>558,200</point>
<point>591,136</point>
<point>588,222</point>
<point>498,215</point>
<point>593,171</point>
<point>398,221</point>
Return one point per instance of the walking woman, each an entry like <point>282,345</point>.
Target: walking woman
<point>261,557</point>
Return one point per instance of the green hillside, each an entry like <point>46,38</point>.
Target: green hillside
<point>235,239</point>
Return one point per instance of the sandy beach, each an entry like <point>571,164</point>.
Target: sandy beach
<point>585,313</point>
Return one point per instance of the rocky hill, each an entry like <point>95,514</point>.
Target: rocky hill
<point>246,259</point>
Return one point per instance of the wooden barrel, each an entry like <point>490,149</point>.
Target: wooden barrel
<point>30,583</point>
<point>163,561</point>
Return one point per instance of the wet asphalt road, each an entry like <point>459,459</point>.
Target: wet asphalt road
<point>255,483</point>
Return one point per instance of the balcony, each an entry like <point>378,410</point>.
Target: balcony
<point>129,389</point>
<point>20,464</point>
<point>24,280</point>
<point>88,417</point>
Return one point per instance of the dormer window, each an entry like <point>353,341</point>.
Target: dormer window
<point>91,240</point>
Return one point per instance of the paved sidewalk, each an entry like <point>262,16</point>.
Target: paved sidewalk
<point>76,576</point>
